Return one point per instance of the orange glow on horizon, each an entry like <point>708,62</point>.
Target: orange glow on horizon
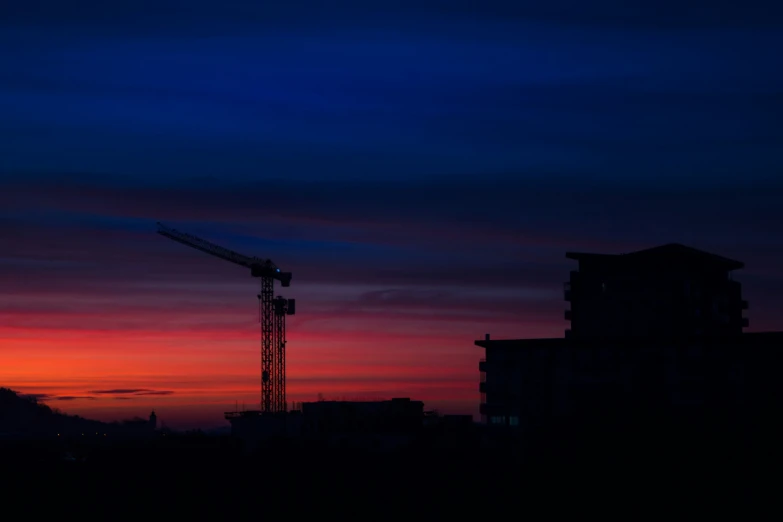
<point>190,378</point>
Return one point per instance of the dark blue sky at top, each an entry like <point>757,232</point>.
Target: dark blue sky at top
<point>180,89</point>
<point>453,131</point>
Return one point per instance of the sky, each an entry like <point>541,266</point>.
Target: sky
<point>420,167</point>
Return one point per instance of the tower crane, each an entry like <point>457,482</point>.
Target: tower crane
<point>273,312</point>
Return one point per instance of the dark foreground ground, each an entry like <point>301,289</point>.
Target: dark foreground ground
<point>201,478</point>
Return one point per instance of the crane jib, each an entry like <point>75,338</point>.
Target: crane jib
<point>258,267</point>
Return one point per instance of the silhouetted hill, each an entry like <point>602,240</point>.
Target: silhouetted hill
<point>25,417</point>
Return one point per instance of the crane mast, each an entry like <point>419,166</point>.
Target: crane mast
<point>272,314</point>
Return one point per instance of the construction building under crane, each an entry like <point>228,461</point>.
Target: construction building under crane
<point>273,311</point>
<point>382,424</point>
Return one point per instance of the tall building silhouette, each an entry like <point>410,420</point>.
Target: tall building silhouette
<point>668,291</point>
<point>659,330</point>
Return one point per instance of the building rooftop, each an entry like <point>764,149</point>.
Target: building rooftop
<point>747,339</point>
<point>672,253</point>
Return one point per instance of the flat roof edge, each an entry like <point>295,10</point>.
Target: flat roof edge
<point>750,336</point>
<point>496,342</point>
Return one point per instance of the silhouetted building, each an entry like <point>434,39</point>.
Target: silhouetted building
<point>449,432</point>
<point>656,337</point>
<point>394,416</point>
<point>379,425</point>
<point>527,382</point>
<point>255,425</point>
<point>332,422</point>
<point>137,427</point>
<point>667,291</point>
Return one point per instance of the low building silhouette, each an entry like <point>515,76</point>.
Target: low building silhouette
<point>356,423</point>
<point>137,426</point>
<point>526,381</point>
<point>400,415</point>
